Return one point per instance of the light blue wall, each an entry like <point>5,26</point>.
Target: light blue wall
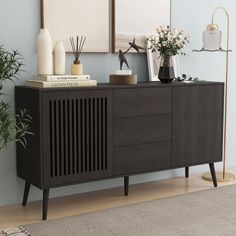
<point>19,29</point>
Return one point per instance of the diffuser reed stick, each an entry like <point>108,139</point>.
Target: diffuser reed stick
<point>77,46</point>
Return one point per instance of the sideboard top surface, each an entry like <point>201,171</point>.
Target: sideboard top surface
<point>102,86</point>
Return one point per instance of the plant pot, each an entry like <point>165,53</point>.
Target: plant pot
<point>166,71</point>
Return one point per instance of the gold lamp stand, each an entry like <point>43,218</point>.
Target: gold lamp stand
<point>222,176</point>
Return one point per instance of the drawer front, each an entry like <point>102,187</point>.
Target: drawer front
<point>142,158</point>
<point>141,130</point>
<point>142,102</point>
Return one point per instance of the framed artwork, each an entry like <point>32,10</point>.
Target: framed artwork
<point>137,18</point>
<point>90,18</point>
<point>154,64</point>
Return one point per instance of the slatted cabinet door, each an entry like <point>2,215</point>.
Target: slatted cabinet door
<point>77,136</point>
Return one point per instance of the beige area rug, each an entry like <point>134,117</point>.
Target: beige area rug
<point>205,213</point>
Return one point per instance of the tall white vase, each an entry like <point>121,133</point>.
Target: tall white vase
<point>59,59</point>
<point>44,53</point>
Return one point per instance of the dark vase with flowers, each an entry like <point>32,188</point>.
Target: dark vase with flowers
<point>167,43</point>
<point>166,71</point>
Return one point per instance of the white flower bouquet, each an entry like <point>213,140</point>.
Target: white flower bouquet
<point>168,42</point>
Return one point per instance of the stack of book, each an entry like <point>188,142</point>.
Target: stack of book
<point>55,81</point>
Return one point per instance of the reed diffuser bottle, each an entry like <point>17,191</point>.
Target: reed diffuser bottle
<point>77,67</point>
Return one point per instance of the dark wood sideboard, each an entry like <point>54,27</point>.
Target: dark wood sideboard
<point>94,133</point>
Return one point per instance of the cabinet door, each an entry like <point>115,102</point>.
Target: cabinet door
<point>197,124</point>
<point>77,134</point>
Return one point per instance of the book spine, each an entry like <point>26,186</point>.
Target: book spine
<point>81,78</point>
<point>69,84</point>
<point>63,78</point>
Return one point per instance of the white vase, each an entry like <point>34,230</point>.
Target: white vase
<point>44,53</point>
<point>59,59</point>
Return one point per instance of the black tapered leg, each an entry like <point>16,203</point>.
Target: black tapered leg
<point>26,193</point>
<point>45,203</point>
<point>213,174</point>
<point>186,171</point>
<point>126,185</point>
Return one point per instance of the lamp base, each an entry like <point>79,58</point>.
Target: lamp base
<point>219,176</point>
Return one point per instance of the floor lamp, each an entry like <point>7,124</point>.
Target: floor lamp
<point>212,38</point>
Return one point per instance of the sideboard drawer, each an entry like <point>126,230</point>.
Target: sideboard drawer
<point>141,130</point>
<point>142,101</point>
<point>142,158</point>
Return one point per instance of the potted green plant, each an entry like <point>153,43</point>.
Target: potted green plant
<point>11,128</point>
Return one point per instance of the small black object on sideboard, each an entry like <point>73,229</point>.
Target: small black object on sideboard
<point>94,133</point>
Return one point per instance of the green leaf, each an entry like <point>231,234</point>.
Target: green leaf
<point>18,128</point>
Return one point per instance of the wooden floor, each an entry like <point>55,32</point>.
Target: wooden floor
<point>16,215</point>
